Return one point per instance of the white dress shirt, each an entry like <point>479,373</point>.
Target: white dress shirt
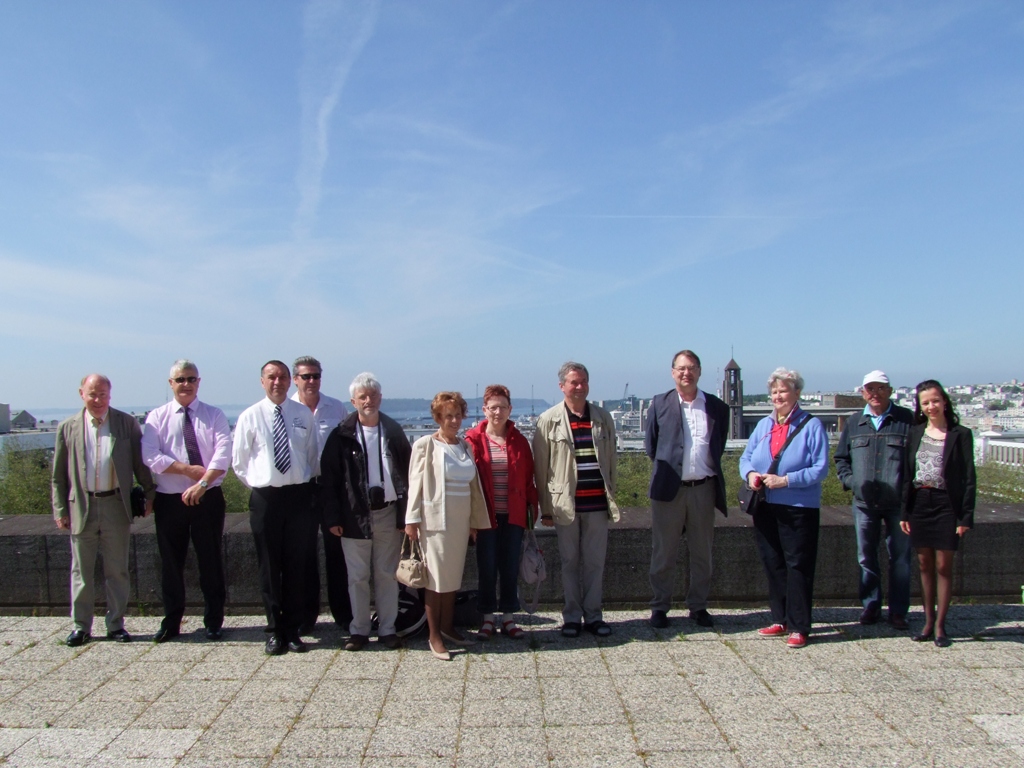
<point>329,413</point>
<point>163,443</point>
<point>369,437</point>
<point>253,449</point>
<point>696,439</point>
<point>99,469</point>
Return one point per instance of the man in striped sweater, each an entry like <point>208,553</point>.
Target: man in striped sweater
<point>574,454</point>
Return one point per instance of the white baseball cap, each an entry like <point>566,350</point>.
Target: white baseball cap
<point>875,377</point>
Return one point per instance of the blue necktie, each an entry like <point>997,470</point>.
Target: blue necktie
<point>282,455</point>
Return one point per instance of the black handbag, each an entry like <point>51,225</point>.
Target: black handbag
<point>752,499</point>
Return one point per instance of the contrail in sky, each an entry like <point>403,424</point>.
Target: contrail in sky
<point>334,35</point>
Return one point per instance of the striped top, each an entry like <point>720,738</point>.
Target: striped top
<point>590,492</point>
<point>499,475</point>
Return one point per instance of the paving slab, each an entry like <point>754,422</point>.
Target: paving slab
<point>855,696</point>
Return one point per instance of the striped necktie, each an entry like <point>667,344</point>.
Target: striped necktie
<point>282,456</point>
<point>191,444</point>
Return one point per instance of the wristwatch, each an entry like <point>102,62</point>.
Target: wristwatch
<point>203,484</point>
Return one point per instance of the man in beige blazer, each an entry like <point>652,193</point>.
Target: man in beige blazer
<point>97,453</point>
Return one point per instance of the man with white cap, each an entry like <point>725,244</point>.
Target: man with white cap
<point>871,462</point>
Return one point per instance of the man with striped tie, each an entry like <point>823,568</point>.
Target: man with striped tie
<point>275,454</point>
<point>575,467</point>
<point>187,446</point>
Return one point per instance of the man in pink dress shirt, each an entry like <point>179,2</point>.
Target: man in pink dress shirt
<point>187,445</point>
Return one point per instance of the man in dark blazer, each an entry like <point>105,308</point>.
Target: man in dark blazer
<point>96,456</point>
<point>685,438</point>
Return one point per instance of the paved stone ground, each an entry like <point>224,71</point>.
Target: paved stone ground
<point>855,697</point>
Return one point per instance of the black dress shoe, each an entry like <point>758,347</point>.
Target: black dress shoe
<point>295,644</point>
<point>77,638</point>
<point>942,641</point>
<point>659,619</point>
<point>214,634</point>
<point>356,642</point>
<point>166,633</point>
<point>275,646</point>
<point>896,621</point>
<point>869,615</point>
<point>391,642</point>
<point>119,636</point>
<point>924,636</point>
<point>702,617</point>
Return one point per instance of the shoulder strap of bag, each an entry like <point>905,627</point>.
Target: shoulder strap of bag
<point>792,433</point>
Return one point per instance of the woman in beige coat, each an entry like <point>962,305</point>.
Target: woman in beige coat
<point>446,508</point>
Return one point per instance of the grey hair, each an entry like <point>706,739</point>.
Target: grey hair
<point>786,376</point>
<point>568,367</point>
<point>99,376</point>
<point>364,380</point>
<point>306,360</point>
<point>183,365</point>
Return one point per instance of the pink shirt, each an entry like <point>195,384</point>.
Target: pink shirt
<point>163,443</point>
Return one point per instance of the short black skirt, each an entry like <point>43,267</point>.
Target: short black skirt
<point>933,521</point>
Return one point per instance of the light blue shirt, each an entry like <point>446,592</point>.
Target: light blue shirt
<point>877,421</point>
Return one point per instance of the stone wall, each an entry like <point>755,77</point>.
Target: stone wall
<point>35,563</point>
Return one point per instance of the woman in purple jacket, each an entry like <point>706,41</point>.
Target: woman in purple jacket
<point>787,526</point>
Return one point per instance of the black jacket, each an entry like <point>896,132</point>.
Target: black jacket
<point>663,441</point>
<point>957,471</point>
<point>873,464</point>
<point>343,475</point>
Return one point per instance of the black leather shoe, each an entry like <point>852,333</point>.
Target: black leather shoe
<point>924,636</point>
<point>214,634</point>
<point>869,615</point>
<point>295,644</point>
<point>942,641</point>
<point>119,636</point>
<point>356,642</point>
<point>702,617</point>
<point>391,642</point>
<point>275,646</point>
<point>77,638</point>
<point>659,619</point>
<point>896,621</point>
<point>166,633</point>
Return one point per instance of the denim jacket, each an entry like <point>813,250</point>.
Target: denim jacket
<point>873,464</point>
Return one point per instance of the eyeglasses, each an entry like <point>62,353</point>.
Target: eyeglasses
<point>497,408</point>
<point>686,368</point>
<point>309,376</point>
<point>185,379</point>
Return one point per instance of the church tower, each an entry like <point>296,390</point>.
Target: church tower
<point>732,393</point>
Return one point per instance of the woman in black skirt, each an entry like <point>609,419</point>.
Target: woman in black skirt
<point>938,502</point>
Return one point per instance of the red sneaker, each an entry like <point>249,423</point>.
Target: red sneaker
<point>775,630</point>
<point>797,640</point>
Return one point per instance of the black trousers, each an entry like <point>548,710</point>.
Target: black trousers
<point>787,538</point>
<point>282,524</point>
<point>337,572</point>
<point>203,524</point>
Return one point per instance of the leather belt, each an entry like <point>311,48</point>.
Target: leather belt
<point>104,494</point>
<point>692,483</point>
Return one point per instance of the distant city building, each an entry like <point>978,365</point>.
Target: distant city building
<point>732,394</point>
<point>23,420</point>
<point>999,447</point>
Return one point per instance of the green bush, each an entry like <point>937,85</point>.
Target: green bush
<point>635,478</point>
<point>25,481</point>
<point>236,495</point>
<point>1000,484</point>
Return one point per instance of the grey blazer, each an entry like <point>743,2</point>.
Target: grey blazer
<point>69,484</point>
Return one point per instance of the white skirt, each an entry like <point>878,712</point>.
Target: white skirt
<point>445,551</point>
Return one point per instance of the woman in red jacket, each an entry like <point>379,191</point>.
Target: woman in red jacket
<point>505,467</point>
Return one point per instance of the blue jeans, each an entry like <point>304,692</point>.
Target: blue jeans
<point>497,558</point>
<point>869,534</point>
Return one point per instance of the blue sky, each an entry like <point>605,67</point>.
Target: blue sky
<point>452,194</point>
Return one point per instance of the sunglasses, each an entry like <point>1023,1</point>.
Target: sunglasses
<point>309,376</point>
<point>184,379</point>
